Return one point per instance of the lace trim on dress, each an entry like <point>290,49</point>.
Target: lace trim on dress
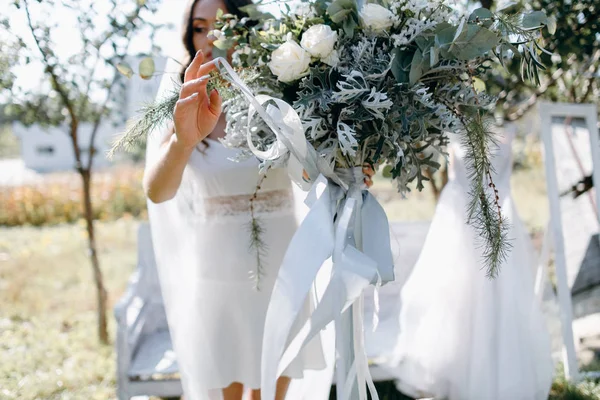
<point>237,205</point>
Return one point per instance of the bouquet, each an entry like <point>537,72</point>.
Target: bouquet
<point>337,84</point>
<point>383,83</point>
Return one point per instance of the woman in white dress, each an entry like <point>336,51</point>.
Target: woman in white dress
<point>199,214</point>
<point>465,336</point>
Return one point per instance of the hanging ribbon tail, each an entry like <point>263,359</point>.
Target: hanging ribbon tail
<point>311,245</point>
<point>363,374</point>
<point>353,271</point>
<point>376,242</point>
<point>349,278</point>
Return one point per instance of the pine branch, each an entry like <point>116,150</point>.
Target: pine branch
<point>152,116</point>
<point>257,244</point>
<point>511,25</point>
<point>484,210</point>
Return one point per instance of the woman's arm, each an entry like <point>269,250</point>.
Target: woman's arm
<point>195,116</point>
<point>163,177</point>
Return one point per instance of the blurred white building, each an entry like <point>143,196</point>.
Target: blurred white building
<point>51,149</point>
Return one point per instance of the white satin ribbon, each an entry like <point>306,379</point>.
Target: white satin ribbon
<point>341,211</point>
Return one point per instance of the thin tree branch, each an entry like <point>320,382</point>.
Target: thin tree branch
<point>99,46</point>
<point>56,85</point>
<point>95,129</point>
<point>532,100</point>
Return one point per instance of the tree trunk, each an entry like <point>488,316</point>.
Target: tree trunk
<point>98,278</point>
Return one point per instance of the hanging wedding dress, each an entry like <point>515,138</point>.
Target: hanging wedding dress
<point>464,336</point>
<point>202,246</point>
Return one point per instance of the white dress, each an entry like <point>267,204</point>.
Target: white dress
<point>464,336</point>
<point>202,246</point>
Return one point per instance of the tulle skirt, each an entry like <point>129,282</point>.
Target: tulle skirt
<point>465,336</point>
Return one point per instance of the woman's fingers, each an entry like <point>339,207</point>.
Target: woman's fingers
<point>206,68</point>
<point>369,173</point>
<point>305,176</point>
<point>194,86</point>
<point>191,72</point>
<point>215,103</point>
<point>188,103</point>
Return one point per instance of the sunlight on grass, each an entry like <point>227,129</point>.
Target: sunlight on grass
<point>48,339</point>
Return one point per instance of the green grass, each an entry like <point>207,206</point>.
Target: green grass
<point>48,342</point>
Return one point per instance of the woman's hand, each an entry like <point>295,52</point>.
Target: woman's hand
<point>197,112</point>
<point>369,173</point>
<point>367,170</point>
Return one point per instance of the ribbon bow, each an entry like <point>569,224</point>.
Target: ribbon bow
<point>344,222</point>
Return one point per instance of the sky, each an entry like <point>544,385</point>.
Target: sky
<point>66,36</point>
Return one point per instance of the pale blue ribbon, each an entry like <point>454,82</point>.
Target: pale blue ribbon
<point>340,209</point>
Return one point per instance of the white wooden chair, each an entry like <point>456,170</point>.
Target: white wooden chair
<point>146,362</point>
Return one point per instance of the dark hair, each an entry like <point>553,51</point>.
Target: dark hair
<point>232,7</point>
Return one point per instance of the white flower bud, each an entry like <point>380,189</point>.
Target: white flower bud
<point>289,62</point>
<point>319,40</point>
<point>376,17</point>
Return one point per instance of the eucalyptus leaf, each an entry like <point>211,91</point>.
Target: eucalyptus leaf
<point>534,20</point>
<point>478,84</point>
<point>349,27</point>
<point>460,28</point>
<point>473,42</point>
<point>341,11</point>
<point>401,65</point>
<point>443,38</point>
<point>387,171</point>
<point>125,69</point>
<point>147,68</point>
<point>223,44</point>
<point>338,5</point>
<point>505,7</point>
<point>416,67</point>
<point>514,49</point>
<point>425,42</point>
<point>340,16</point>
<point>434,56</point>
<point>482,15</point>
<point>551,24</point>
<point>219,52</point>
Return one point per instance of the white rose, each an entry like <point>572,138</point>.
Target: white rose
<point>376,17</point>
<point>333,59</point>
<point>289,62</point>
<point>319,40</point>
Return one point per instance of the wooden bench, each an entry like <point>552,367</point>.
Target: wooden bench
<point>146,362</point>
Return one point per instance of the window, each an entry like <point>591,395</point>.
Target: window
<point>45,150</point>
